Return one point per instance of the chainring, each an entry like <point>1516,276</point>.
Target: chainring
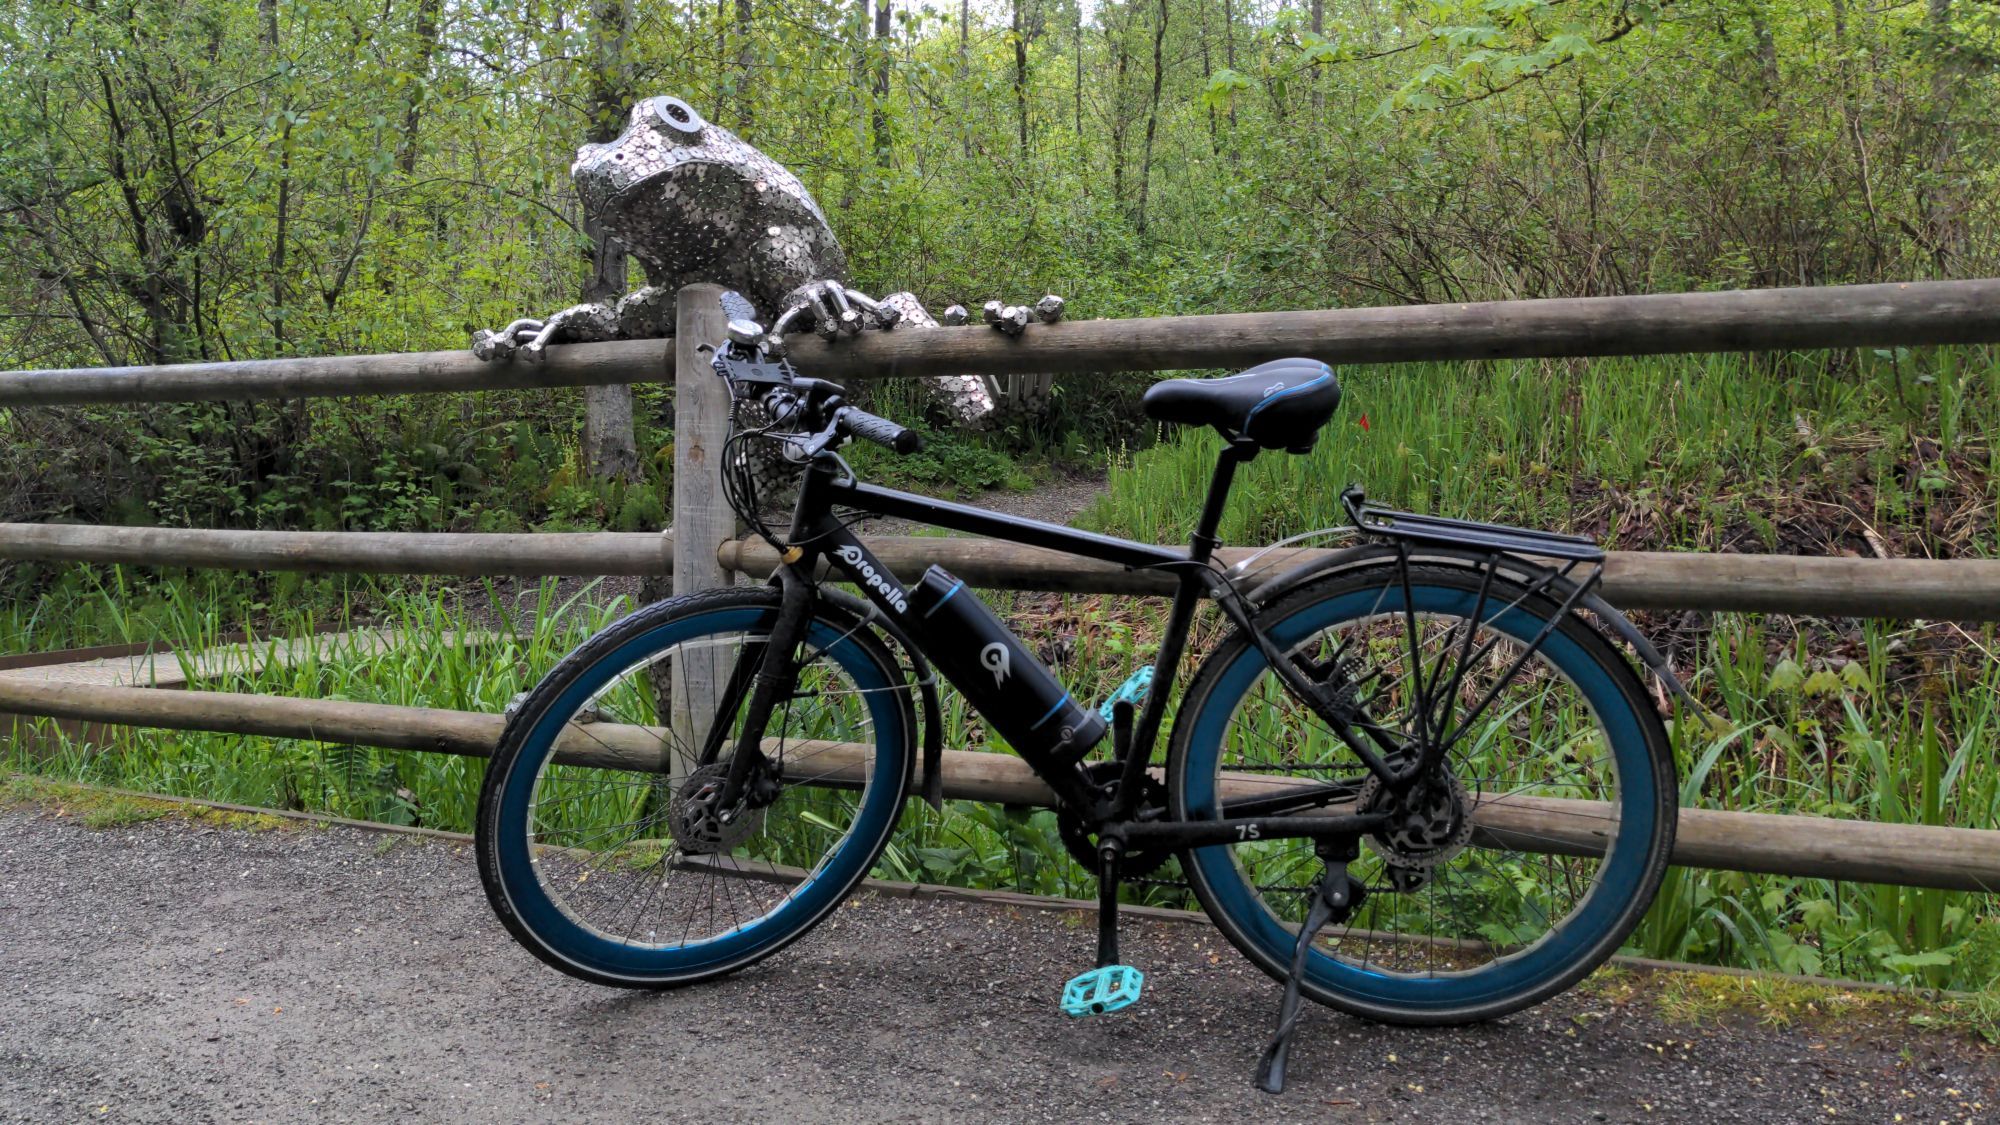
<point>1083,847</point>
<point>698,826</point>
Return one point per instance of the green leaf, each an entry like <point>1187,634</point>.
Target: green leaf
<point>1223,86</point>
<point>1855,674</point>
<point>1785,676</point>
<point>1570,45</point>
<point>1910,962</point>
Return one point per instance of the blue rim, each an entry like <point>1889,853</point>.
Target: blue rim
<point>823,890</point>
<point>1603,907</point>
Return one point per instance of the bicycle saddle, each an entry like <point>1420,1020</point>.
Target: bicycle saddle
<point>1279,405</point>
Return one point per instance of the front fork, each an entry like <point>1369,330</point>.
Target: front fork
<point>774,680</point>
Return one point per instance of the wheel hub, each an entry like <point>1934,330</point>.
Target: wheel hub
<point>698,821</point>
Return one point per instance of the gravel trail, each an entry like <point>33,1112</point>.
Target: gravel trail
<point>176,971</point>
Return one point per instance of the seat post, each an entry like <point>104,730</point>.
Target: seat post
<point>1203,543</point>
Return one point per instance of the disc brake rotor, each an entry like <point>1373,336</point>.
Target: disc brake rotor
<point>1430,825</point>
<point>698,823</point>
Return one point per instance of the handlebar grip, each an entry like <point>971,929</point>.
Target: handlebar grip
<point>737,307</point>
<point>880,430</point>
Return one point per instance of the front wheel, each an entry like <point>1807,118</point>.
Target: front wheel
<point>1508,875</point>
<point>602,842</point>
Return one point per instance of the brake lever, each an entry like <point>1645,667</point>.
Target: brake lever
<point>808,448</point>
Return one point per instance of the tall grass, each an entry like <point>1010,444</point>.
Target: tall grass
<point>1671,451</point>
<point>1863,720</point>
<point>438,658</point>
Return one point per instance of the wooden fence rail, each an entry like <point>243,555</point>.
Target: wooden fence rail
<point>1905,314</point>
<point>709,552</point>
<point>359,552</point>
<point>332,376</point>
<point>1961,859</point>
<point>1960,590</point>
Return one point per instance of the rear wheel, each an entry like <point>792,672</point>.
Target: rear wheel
<point>1507,876</point>
<point>602,844</point>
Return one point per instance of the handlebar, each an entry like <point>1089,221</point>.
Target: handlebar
<point>880,430</point>
<point>753,368</point>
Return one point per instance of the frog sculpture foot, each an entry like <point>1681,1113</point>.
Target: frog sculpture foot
<point>695,203</point>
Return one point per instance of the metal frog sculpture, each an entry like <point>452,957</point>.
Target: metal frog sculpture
<point>695,203</point>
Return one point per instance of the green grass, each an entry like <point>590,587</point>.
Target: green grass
<point>1864,720</point>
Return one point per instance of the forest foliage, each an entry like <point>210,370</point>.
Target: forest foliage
<point>187,180</point>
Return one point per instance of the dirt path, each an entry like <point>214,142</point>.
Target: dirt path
<point>182,972</point>
<point>1060,500</point>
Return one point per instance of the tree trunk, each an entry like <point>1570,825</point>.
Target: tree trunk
<point>1123,55</point>
<point>1152,114</point>
<point>1021,73</point>
<point>425,50</point>
<point>1850,126</point>
<point>746,110</point>
<point>1229,51</point>
<point>965,77</point>
<point>1076,46</point>
<point>268,11</point>
<point>609,448</point>
<point>1207,75</point>
<point>879,118</point>
<point>1943,210</point>
<point>1319,32</point>
<point>278,294</point>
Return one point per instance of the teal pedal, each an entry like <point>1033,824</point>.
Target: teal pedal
<point>1102,990</point>
<point>1132,691</point>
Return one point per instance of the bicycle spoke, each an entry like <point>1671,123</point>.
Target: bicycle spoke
<point>1479,683</point>
<point>605,842</point>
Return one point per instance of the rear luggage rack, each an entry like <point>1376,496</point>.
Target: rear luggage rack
<point>1439,531</point>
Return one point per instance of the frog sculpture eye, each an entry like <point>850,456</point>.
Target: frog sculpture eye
<point>677,114</point>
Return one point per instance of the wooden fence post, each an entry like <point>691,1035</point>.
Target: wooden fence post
<point>702,520</point>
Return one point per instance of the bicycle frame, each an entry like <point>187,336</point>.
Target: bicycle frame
<point>817,534</point>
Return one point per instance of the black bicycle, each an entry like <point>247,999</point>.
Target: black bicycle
<point>1417,781</point>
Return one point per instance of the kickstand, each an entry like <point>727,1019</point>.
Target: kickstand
<point>1332,904</point>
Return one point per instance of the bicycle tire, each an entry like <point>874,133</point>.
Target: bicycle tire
<point>511,858</point>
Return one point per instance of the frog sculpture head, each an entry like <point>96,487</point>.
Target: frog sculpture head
<point>689,198</point>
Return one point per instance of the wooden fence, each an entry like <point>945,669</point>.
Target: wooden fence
<point>704,548</point>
